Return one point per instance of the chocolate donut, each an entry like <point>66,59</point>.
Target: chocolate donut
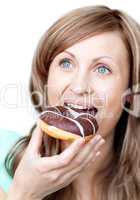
<point>66,123</point>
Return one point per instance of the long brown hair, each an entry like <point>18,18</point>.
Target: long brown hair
<point>79,24</point>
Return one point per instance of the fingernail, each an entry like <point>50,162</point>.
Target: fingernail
<point>102,141</point>
<point>81,141</point>
<point>98,137</point>
<point>98,153</point>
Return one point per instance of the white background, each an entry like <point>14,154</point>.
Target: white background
<point>22,23</point>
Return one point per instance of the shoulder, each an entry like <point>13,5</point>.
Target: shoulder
<point>7,140</point>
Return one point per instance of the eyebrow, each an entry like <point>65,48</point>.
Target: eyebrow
<point>93,60</point>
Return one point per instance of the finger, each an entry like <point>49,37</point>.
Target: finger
<point>90,154</point>
<point>67,178</point>
<point>85,156</point>
<point>70,152</point>
<point>75,172</point>
<point>92,159</point>
<point>65,157</point>
<point>35,141</point>
<point>64,160</point>
<point>87,150</point>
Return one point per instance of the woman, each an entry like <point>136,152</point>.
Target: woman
<point>90,53</point>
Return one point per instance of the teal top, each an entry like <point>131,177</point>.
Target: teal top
<point>7,140</point>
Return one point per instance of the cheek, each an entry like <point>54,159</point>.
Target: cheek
<point>53,88</point>
<point>110,105</point>
<point>56,84</point>
<point>110,91</point>
<point>112,108</point>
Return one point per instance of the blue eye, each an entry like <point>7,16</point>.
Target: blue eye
<point>65,63</point>
<point>103,69</point>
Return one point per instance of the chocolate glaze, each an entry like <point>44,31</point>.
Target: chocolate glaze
<point>81,123</point>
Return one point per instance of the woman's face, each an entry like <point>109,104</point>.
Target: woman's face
<point>94,71</point>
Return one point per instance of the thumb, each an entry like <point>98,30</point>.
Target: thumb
<point>35,141</point>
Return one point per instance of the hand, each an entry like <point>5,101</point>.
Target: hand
<point>2,194</point>
<point>37,177</point>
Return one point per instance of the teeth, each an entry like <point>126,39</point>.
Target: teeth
<point>76,106</point>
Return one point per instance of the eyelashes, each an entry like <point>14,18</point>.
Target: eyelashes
<point>67,65</point>
<point>102,69</point>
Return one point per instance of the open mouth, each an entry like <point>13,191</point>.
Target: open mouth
<point>89,110</point>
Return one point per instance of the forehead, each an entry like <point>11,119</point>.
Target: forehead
<point>104,44</point>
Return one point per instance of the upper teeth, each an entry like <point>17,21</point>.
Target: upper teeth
<point>76,106</point>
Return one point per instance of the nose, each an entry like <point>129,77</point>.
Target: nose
<point>81,84</point>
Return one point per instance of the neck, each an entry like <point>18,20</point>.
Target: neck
<point>88,184</point>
